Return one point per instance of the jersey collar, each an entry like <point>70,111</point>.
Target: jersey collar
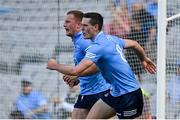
<point>101,32</point>
<point>77,36</point>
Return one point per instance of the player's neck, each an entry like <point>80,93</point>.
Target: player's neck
<point>96,34</point>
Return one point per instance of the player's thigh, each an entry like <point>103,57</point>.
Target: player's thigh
<point>101,110</point>
<point>79,113</point>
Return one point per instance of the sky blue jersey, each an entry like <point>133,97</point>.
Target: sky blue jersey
<point>92,84</point>
<point>107,52</point>
<point>26,103</point>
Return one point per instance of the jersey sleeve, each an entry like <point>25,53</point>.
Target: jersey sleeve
<point>117,40</point>
<point>121,42</point>
<point>94,52</point>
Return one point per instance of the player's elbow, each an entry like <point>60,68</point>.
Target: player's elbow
<point>135,44</point>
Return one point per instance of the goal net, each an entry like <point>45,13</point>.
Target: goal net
<point>173,59</point>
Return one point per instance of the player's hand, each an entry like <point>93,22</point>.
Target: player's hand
<point>70,80</point>
<point>149,66</point>
<point>51,64</point>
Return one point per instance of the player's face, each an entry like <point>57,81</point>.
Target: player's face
<point>87,29</point>
<point>70,25</point>
<point>26,89</point>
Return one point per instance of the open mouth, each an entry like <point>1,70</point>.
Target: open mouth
<point>84,34</point>
<point>67,30</point>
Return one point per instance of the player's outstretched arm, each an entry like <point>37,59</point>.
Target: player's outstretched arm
<point>82,69</point>
<point>147,63</point>
<point>137,47</point>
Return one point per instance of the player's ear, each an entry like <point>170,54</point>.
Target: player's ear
<point>96,26</point>
<point>79,25</point>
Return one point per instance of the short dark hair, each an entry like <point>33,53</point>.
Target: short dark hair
<point>77,14</point>
<point>25,83</point>
<point>96,18</point>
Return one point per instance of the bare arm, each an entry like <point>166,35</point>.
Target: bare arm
<point>81,69</point>
<point>90,70</point>
<point>137,47</point>
<point>73,80</point>
<point>148,65</point>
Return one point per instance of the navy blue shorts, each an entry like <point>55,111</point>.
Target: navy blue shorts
<point>127,106</point>
<point>87,101</point>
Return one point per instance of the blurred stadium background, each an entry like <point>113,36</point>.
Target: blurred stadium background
<point>31,31</point>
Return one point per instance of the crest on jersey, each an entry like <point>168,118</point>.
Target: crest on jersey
<point>90,55</point>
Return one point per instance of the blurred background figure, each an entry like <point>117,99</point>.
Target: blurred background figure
<point>173,91</point>
<point>120,24</point>
<point>72,94</point>
<point>136,33</point>
<point>143,30</point>
<point>30,103</point>
<point>60,108</point>
<point>173,86</point>
<point>152,7</point>
<point>173,43</point>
